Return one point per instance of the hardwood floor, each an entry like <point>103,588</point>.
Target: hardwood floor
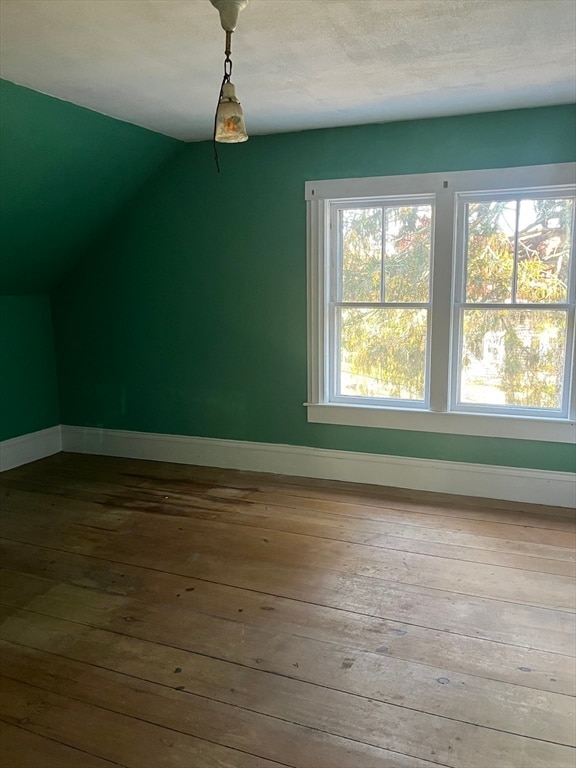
<point>165,616</point>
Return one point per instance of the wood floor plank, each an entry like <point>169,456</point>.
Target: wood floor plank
<point>388,496</point>
<point>257,544</point>
<point>20,748</point>
<point>377,530</point>
<point>193,493</point>
<point>392,727</point>
<point>329,490</point>
<point>448,543</point>
<point>407,506</point>
<point>506,525</point>
<point>521,625</point>
<point>125,740</point>
<point>451,544</point>
<point>475,656</point>
<point>262,735</point>
<point>135,471</point>
<point>434,690</point>
<point>325,523</point>
<point>223,618</point>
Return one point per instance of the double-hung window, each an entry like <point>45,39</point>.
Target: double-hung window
<point>444,302</point>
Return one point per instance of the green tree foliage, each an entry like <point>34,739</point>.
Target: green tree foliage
<point>384,349</point>
<point>510,356</point>
<point>527,364</point>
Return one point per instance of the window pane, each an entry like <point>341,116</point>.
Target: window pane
<point>383,353</point>
<point>407,252</point>
<point>513,357</point>
<point>361,232</point>
<point>490,251</point>
<point>544,240</point>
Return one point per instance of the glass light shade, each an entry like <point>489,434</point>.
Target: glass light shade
<point>230,125</point>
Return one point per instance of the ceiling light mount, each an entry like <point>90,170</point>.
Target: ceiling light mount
<point>229,11</point>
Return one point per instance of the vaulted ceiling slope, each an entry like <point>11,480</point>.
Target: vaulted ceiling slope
<point>66,173</point>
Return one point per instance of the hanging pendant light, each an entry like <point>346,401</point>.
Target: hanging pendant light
<point>229,125</point>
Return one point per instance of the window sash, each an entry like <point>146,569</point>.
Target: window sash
<point>460,305</point>
<point>335,363</point>
<point>335,302</point>
<point>510,410</point>
<point>462,199</point>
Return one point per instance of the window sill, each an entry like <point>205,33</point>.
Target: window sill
<point>481,425</point>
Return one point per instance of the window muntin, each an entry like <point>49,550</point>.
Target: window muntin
<point>380,301</point>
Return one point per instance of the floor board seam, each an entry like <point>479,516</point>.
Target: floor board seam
<point>290,677</point>
<point>308,602</point>
<point>237,706</point>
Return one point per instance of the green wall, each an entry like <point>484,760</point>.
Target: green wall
<point>66,172</point>
<point>191,317</point>
<point>28,385</point>
<point>66,175</point>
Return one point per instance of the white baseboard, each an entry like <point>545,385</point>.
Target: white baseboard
<point>508,483</point>
<point>30,447</point>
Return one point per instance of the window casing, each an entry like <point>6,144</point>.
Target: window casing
<point>441,393</point>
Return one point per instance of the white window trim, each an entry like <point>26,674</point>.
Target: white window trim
<point>446,187</point>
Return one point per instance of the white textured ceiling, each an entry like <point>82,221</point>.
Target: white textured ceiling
<point>297,63</point>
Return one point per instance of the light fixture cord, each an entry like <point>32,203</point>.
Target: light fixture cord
<point>225,79</point>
